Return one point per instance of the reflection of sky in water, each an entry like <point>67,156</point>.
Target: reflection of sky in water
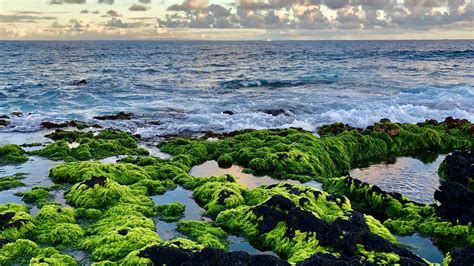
<point>422,247</point>
<point>211,168</point>
<point>408,176</point>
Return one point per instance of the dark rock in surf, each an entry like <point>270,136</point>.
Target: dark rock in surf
<point>80,82</point>
<point>118,116</point>
<point>155,123</point>
<point>275,112</point>
<point>227,112</point>
<point>4,122</point>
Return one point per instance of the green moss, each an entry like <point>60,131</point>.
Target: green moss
<point>12,154</point>
<point>16,221</point>
<point>24,252</point>
<point>218,196</point>
<point>57,225</point>
<point>400,215</point>
<point>204,233</point>
<point>9,182</point>
<point>50,256</point>
<point>116,244</point>
<point>170,212</point>
<point>105,144</point>
<point>225,160</point>
<point>37,196</point>
<point>102,192</point>
<point>297,154</point>
<point>90,214</point>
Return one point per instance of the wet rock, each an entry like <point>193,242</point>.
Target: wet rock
<point>385,126</point>
<point>4,123</point>
<point>6,221</point>
<point>17,114</point>
<point>4,241</point>
<point>275,112</point>
<point>118,116</point>
<point>455,122</point>
<point>227,112</point>
<point>155,123</point>
<point>462,256</point>
<point>161,255</point>
<point>335,129</point>
<point>100,180</point>
<point>459,167</point>
<point>330,260</point>
<point>4,117</point>
<point>51,125</point>
<point>80,82</point>
<point>457,202</point>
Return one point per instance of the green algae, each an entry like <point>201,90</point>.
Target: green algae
<point>170,212</point>
<point>16,221</point>
<point>38,196</point>
<point>24,252</point>
<point>12,154</point>
<point>400,215</point>
<point>298,154</point>
<point>57,225</point>
<point>204,233</point>
<point>9,182</point>
<point>104,144</point>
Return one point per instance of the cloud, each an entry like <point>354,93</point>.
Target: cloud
<point>136,7</point>
<point>96,12</point>
<point>60,2</point>
<point>145,1</point>
<point>23,18</point>
<point>84,11</point>
<point>108,2</point>
<point>119,24</point>
<point>112,13</point>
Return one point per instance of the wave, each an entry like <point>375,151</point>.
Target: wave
<point>268,83</point>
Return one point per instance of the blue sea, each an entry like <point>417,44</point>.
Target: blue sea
<point>187,85</point>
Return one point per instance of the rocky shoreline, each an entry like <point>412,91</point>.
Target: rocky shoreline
<point>109,210</point>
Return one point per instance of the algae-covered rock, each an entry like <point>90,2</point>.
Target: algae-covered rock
<point>90,146</point>
<point>399,214</point>
<point>9,182</point>
<point>24,252</point>
<point>37,196</point>
<point>57,225</point>
<point>170,212</point>
<point>218,196</point>
<point>297,154</point>
<point>12,154</point>
<point>204,233</point>
<point>15,221</point>
<point>101,192</point>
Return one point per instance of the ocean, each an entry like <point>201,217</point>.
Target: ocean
<point>187,85</point>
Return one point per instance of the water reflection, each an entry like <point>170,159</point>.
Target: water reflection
<point>422,247</point>
<point>409,176</point>
<point>211,168</point>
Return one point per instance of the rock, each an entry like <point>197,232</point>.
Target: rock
<point>155,123</point>
<point>227,112</point>
<point>17,114</point>
<point>328,259</point>
<point>4,117</point>
<point>462,256</point>
<point>335,129</point>
<point>4,123</point>
<point>162,255</point>
<point>453,123</point>
<point>100,180</point>
<point>51,125</point>
<point>118,116</point>
<point>4,241</point>
<point>80,82</point>
<point>275,112</point>
<point>459,167</point>
<point>457,202</point>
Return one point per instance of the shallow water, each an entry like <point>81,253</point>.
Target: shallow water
<point>411,177</point>
<point>211,168</point>
<point>423,247</point>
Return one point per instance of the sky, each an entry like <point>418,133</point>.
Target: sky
<point>236,19</point>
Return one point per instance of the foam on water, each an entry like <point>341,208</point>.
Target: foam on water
<point>187,85</point>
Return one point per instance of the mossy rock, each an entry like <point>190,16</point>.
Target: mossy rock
<point>170,212</point>
<point>12,154</point>
<point>27,252</point>
<point>15,221</point>
<point>206,234</point>
<point>9,182</point>
<point>37,196</point>
<point>57,225</point>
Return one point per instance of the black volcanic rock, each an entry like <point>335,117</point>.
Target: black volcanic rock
<point>118,116</point>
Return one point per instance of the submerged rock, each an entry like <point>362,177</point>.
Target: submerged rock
<point>118,116</point>
<point>275,112</point>
<point>227,112</point>
<point>4,122</point>
<point>80,82</point>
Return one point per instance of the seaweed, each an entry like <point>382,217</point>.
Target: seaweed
<point>12,154</point>
<point>23,252</point>
<point>205,233</point>
<point>57,225</point>
<point>15,222</point>
<point>9,182</point>
<point>170,212</point>
<point>37,196</point>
